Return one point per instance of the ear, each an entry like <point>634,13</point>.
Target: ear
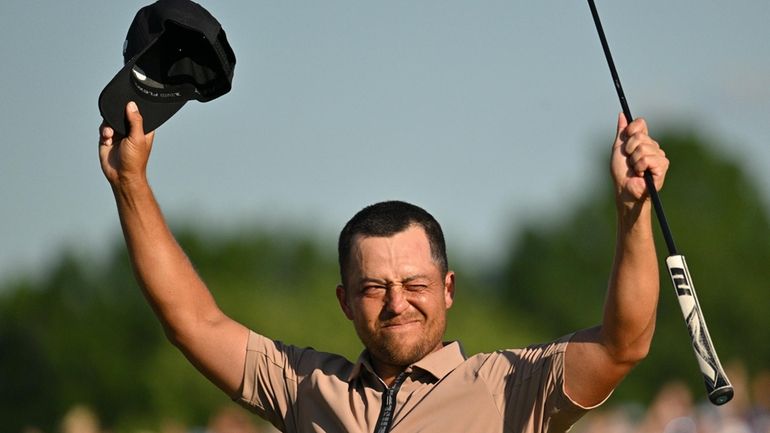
<point>449,289</point>
<point>343,300</point>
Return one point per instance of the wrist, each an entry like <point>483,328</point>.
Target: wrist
<point>127,185</point>
<point>634,215</point>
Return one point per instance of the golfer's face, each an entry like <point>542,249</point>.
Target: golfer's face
<point>397,296</point>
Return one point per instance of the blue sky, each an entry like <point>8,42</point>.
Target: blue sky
<point>486,113</point>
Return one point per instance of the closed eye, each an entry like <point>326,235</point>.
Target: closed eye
<point>416,287</point>
<point>373,289</point>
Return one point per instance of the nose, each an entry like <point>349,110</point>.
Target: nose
<point>395,300</point>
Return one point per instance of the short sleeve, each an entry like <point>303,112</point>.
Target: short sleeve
<point>528,387</point>
<point>269,384</point>
<point>282,383</point>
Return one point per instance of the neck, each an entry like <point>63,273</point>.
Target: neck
<point>388,372</point>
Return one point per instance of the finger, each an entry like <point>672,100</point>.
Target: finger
<point>135,123</point>
<point>105,130</point>
<point>149,139</point>
<point>638,126</point>
<point>657,166</point>
<point>622,124</point>
<point>640,142</point>
<point>105,147</point>
<point>641,161</point>
<point>105,133</point>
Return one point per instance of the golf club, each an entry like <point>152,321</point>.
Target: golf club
<point>718,387</point>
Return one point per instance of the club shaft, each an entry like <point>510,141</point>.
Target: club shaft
<point>651,190</point>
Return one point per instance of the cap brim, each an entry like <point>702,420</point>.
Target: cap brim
<point>120,90</point>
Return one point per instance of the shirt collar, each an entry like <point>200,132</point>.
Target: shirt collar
<point>362,363</point>
<point>438,364</point>
<point>443,361</point>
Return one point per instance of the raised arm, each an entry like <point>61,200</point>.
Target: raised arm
<point>598,358</point>
<point>193,322</point>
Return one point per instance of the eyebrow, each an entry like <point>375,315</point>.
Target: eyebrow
<point>406,280</point>
<point>365,280</point>
<point>411,278</point>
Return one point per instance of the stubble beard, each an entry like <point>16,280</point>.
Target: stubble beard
<point>395,350</point>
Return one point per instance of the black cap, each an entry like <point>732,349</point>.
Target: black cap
<point>175,51</point>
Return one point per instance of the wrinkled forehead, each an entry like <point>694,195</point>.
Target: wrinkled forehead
<point>406,251</point>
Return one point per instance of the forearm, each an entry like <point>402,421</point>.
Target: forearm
<point>163,271</point>
<point>632,297</point>
<point>597,359</point>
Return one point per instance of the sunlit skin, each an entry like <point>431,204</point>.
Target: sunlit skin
<point>397,298</point>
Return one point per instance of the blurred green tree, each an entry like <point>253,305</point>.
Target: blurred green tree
<point>557,271</point>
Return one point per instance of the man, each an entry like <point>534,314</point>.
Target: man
<point>396,288</point>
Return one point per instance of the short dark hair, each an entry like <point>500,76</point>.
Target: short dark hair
<point>385,219</point>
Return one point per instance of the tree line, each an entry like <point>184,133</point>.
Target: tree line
<point>83,334</point>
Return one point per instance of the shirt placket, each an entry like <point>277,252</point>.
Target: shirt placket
<point>389,404</point>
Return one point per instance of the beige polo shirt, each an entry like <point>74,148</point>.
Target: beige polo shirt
<point>517,390</point>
